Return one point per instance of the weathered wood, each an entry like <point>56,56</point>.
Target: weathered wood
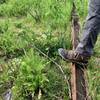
<point>78,80</point>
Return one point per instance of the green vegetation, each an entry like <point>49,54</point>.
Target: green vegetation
<point>31,31</point>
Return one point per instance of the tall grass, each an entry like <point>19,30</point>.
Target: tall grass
<point>47,24</point>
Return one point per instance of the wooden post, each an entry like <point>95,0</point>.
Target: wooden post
<point>78,79</point>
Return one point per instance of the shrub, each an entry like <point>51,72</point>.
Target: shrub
<point>31,78</point>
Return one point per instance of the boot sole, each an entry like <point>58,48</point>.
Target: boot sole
<point>74,61</point>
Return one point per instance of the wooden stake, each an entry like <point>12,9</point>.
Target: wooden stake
<point>78,80</point>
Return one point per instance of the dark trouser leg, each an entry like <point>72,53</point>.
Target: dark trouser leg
<point>91,29</point>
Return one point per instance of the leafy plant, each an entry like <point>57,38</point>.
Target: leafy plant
<point>45,23</point>
<point>31,78</point>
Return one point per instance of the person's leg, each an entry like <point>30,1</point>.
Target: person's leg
<point>91,29</point>
<point>90,32</point>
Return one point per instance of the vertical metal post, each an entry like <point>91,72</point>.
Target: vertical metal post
<point>78,79</point>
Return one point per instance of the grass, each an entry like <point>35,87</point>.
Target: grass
<point>45,24</point>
